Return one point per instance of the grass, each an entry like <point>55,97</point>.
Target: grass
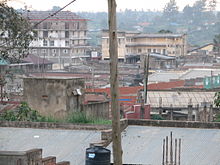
<point>80,117</point>
<point>77,118</point>
<point>217,118</point>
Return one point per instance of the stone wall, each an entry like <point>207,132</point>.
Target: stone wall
<point>97,110</point>
<point>54,97</point>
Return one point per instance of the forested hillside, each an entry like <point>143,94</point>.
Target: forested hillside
<point>200,21</point>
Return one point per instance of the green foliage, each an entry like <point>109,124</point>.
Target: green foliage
<point>23,113</point>
<point>15,34</point>
<point>217,99</point>
<point>80,117</point>
<point>157,117</point>
<point>216,41</point>
<point>164,31</point>
<point>217,118</point>
<point>170,9</point>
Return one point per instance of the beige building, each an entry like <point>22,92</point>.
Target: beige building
<point>130,44</point>
<point>61,37</point>
<point>121,45</point>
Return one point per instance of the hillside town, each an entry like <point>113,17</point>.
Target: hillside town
<point>59,104</point>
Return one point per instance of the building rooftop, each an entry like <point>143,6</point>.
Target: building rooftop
<point>179,98</point>
<point>67,145</point>
<point>143,145</point>
<point>166,76</point>
<point>3,62</point>
<point>62,15</point>
<point>167,35</point>
<point>36,60</point>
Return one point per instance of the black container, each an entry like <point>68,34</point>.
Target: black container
<point>98,156</point>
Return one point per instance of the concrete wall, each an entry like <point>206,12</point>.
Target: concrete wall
<point>53,96</point>
<point>180,124</point>
<point>45,125</point>
<point>31,157</point>
<point>97,110</point>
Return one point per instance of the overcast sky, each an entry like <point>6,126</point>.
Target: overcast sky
<point>98,5</point>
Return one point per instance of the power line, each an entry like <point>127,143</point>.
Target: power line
<point>31,28</point>
<point>53,14</point>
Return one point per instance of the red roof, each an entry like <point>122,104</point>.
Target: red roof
<point>129,94</point>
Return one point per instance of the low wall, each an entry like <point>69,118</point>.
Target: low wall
<point>180,124</point>
<point>45,125</point>
<point>33,156</point>
<point>97,110</point>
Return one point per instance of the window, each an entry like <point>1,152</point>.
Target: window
<point>45,25</point>
<point>67,43</point>
<point>65,51</point>
<point>44,42</point>
<point>84,33</point>
<point>149,50</point>
<point>154,50</point>
<point>139,50</point>
<point>54,50</point>
<point>119,41</point>
<point>164,51</point>
<point>45,34</point>
<point>77,25</point>
<point>43,50</point>
<point>36,34</point>
<point>51,43</point>
<point>66,34</point>
<point>34,51</point>
<point>66,25</point>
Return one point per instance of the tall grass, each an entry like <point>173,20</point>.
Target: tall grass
<point>80,117</point>
<point>77,118</point>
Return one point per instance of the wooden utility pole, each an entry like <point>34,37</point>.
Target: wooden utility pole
<point>113,51</point>
<point>146,72</point>
<point>144,99</point>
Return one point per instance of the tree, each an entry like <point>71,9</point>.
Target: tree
<point>55,8</point>
<point>216,47</point>
<point>170,9</point>
<point>164,31</point>
<point>15,34</point>
<point>212,5</point>
<point>199,6</point>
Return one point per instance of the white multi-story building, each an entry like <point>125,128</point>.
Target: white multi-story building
<point>61,37</point>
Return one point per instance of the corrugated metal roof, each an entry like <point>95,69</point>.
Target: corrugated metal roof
<point>165,76</point>
<point>66,145</point>
<point>3,62</point>
<point>143,145</point>
<point>179,98</point>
